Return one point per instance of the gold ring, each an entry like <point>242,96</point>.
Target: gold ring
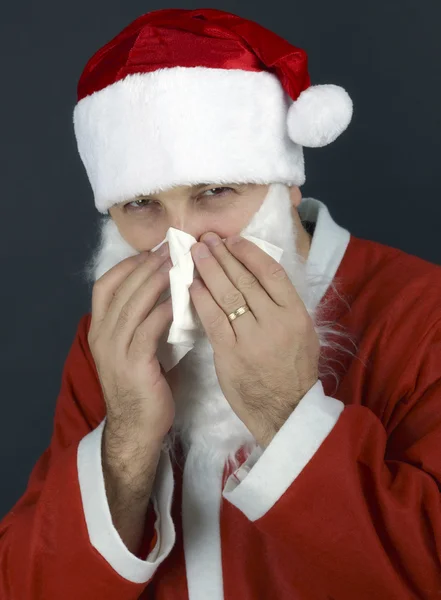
<point>239,311</point>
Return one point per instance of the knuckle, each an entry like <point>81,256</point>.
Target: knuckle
<point>246,280</point>
<point>277,272</point>
<point>126,314</point>
<point>232,298</point>
<point>141,340</point>
<point>216,322</point>
<point>145,340</point>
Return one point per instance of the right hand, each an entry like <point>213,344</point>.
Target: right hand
<point>123,337</point>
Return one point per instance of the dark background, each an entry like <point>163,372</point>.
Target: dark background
<point>380,179</point>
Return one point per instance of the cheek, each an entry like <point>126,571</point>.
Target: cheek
<point>141,237</point>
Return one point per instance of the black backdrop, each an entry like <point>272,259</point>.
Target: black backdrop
<point>380,179</point>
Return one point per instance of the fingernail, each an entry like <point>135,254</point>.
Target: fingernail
<point>166,266</point>
<point>211,239</point>
<point>201,251</point>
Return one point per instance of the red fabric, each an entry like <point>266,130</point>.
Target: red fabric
<point>362,520</point>
<point>204,37</point>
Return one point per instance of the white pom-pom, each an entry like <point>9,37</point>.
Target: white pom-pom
<point>319,115</point>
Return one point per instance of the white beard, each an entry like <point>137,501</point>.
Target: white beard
<point>205,422</point>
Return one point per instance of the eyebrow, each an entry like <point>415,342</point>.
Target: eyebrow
<point>201,185</point>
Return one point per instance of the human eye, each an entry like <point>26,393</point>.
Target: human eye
<point>225,190</point>
<point>136,205</point>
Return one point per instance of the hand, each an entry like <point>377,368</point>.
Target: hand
<point>266,359</point>
<point>123,337</point>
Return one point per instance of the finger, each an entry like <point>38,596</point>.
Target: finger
<point>122,279</point>
<point>212,316</point>
<point>139,306</point>
<point>242,279</point>
<point>226,295</point>
<point>146,336</point>
<point>272,276</point>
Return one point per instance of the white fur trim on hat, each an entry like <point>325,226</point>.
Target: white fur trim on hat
<point>185,126</point>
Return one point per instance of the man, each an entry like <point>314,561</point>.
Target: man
<point>293,450</point>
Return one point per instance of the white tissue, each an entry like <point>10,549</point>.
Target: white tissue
<point>184,329</point>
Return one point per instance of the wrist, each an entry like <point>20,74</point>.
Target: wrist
<point>129,443</point>
<point>129,465</point>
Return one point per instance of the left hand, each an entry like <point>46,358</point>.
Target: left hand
<point>266,359</point>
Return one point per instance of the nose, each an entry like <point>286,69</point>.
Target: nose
<point>185,221</point>
<point>178,216</point>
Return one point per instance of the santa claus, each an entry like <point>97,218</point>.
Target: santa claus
<point>204,420</point>
<point>288,447</point>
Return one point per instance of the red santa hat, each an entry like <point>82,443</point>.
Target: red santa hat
<point>183,97</point>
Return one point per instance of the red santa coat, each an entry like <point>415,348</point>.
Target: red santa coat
<point>343,504</point>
